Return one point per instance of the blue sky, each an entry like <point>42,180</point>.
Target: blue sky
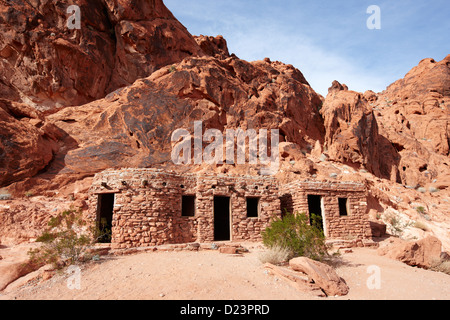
<point>326,40</point>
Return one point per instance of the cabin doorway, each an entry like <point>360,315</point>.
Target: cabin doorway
<point>315,211</point>
<point>105,206</point>
<point>222,219</point>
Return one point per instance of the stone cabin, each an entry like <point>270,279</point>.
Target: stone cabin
<point>149,207</point>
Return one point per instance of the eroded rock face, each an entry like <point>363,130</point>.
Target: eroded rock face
<point>413,114</point>
<point>129,128</point>
<point>429,76</point>
<point>213,46</point>
<point>133,126</point>
<point>48,65</point>
<point>28,141</point>
<point>352,134</point>
<point>261,94</point>
<point>401,134</point>
<point>185,78</point>
<point>148,37</point>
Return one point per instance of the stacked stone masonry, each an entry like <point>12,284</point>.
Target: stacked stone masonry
<point>147,209</point>
<point>354,225</point>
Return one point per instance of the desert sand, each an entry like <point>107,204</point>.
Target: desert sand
<point>210,275</point>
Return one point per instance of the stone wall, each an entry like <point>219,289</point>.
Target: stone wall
<point>147,207</point>
<point>294,199</point>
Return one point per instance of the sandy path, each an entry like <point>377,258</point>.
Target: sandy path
<point>209,275</point>
<point>398,280</point>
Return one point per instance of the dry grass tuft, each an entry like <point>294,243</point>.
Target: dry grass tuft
<point>441,266</point>
<point>276,255</point>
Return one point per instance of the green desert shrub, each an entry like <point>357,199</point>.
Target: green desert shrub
<point>420,210</point>
<point>172,69</point>
<point>66,240</point>
<point>294,233</point>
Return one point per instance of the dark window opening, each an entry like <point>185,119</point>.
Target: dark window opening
<point>252,207</point>
<point>287,205</point>
<point>315,211</point>
<point>222,218</point>
<point>343,207</point>
<point>188,206</point>
<point>105,206</point>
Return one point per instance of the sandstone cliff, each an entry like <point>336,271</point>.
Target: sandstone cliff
<point>48,65</point>
<point>110,94</point>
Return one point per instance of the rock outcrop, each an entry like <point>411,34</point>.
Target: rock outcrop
<point>352,134</point>
<point>15,265</point>
<point>133,126</point>
<point>213,46</point>
<point>400,134</point>
<point>49,65</point>
<point>413,114</point>
<point>422,253</point>
<point>28,141</point>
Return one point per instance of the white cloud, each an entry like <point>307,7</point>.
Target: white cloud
<point>319,65</point>
<point>323,52</point>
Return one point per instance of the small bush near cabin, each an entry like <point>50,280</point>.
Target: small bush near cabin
<point>295,234</point>
<point>66,241</point>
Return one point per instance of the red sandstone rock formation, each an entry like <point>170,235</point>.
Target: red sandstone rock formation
<point>213,46</point>
<point>133,74</point>
<point>401,134</point>
<point>28,141</point>
<point>352,134</point>
<point>423,253</point>
<point>133,126</point>
<point>414,116</point>
<point>48,65</point>
<point>323,276</point>
<point>221,90</point>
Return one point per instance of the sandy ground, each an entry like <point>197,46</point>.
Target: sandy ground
<point>210,275</point>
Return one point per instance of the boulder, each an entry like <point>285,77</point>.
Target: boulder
<point>323,275</point>
<point>422,253</point>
